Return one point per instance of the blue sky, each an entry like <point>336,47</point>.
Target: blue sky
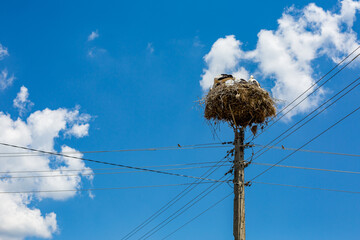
<point>135,83</point>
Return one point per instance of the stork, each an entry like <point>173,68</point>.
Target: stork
<point>253,81</point>
<point>222,78</point>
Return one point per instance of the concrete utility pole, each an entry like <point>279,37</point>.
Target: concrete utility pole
<point>239,186</point>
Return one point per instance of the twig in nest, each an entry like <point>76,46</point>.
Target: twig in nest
<point>240,105</point>
<point>232,114</point>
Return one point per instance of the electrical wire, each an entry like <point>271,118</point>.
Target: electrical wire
<point>101,162</point>
<point>96,189</point>
<point>170,169</point>
<point>266,128</point>
<point>178,165</point>
<point>310,151</point>
<point>283,159</point>
<point>171,202</point>
<point>212,206</point>
<point>81,171</point>
<point>313,188</point>
<point>103,173</point>
<point>307,168</point>
<point>179,147</point>
<point>177,214</point>
<point>276,184</point>
<point>357,79</point>
<point>103,169</point>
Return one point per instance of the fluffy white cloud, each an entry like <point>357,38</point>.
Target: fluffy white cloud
<point>93,35</point>
<point>79,130</point>
<point>20,221</point>
<point>17,219</point>
<point>223,57</point>
<point>22,102</point>
<point>286,54</point>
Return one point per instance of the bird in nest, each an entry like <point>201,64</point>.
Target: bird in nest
<point>222,78</point>
<point>253,81</point>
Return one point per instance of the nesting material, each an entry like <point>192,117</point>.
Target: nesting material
<point>239,104</point>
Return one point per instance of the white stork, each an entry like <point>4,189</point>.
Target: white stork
<point>222,78</point>
<point>253,81</point>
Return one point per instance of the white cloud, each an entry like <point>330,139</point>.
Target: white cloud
<point>79,130</point>
<point>5,80</point>
<point>19,219</point>
<point>22,102</point>
<point>93,35</point>
<point>3,52</point>
<point>223,57</point>
<point>286,54</point>
<point>150,47</point>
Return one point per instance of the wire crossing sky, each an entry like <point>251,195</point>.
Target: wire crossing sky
<point>94,83</point>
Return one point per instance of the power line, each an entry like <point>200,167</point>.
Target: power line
<point>176,214</point>
<point>311,88</point>
<point>179,147</point>
<point>171,202</point>
<point>314,84</point>
<point>339,121</point>
<point>97,189</point>
<point>307,168</point>
<point>173,165</point>
<point>102,169</point>
<point>313,188</point>
<point>102,162</point>
<point>157,166</point>
<point>156,186</point>
<point>255,145</point>
<point>181,164</point>
<point>103,173</point>
<point>170,169</point>
<point>310,151</point>
<point>357,79</point>
<point>212,206</point>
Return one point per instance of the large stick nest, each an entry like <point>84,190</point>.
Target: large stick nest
<point>239,104</point>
